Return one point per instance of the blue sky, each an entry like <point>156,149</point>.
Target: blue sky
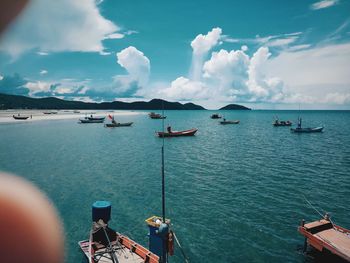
<point>264,54</point>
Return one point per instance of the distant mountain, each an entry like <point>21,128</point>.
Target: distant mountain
<point>22,102</point>
<point>234,107</point>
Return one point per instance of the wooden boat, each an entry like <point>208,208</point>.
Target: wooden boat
<point>18,117</point>
<point>323,235</point>
<point>299,129</point>
<point>91,121</point>
<point>307,130</point>
<point>118,124</point>
<point>278,123</point>
<point>106,245</point>
<point>190,132</point>
<point>215,116</point>
<point>153,115</point>
<point>91,118</point>
<point>224,122</point>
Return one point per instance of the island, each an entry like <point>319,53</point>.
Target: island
<point>234,107</point>
<point>51,103</point>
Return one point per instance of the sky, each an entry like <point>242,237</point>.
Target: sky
<point>278,54</point>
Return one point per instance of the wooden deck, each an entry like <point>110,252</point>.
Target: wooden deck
<point>322,234</point>
<point>125,250</point>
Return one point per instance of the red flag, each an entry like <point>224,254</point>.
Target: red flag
<point>109,116</point>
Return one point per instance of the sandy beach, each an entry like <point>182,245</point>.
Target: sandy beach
<point>6,116</point>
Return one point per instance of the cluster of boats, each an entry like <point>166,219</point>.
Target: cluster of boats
<point>298,129</point>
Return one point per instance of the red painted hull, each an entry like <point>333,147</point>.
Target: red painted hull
<point>191,132</point>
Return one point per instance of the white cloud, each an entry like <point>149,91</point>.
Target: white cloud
<point>61,25</point>
<point>43,72</point>
<point>38,86</point>
<point>115,36</point>
<point>201,45</point>
<point>317,75</point>
<point>42,53</point>
<point>323,4</point>
<point>1,77</point>
<point>136,64</point>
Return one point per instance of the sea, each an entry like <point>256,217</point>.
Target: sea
<point>234,193</point>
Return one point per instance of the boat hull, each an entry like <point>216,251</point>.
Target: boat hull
<point>112,125</point>
<point>229,122</point>
<point>324,235</point>
<point>96,119</point>
<point>307,130</point>
<point>20,117</point>
<point>91,121</point>
<point>191,132</point>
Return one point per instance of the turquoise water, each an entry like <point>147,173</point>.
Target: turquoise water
<point>234,192</point>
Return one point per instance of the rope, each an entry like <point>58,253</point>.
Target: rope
<point>181,249</point>
<point>317,210</point>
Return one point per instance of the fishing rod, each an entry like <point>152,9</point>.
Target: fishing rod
<point>327,217</point>
<point>164,256</point>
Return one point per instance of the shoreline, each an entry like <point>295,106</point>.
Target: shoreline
<point>6,116</point>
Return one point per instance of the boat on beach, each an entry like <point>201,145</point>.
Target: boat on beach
<point>324,235</point>
<point>224,122</point>
<point>299,129</point>
<point>18,117</point>
<point>215,116</point>
<point>190,132</point>
<point>153,115</point>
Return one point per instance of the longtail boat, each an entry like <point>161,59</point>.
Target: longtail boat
<point>190,132</point>
<point>118,124</point>
<point>92,118</point>
<point>299,129</point>
<point>323,235</point>
<point>224,122</point>
<point>215,116</point>
<point>153,115</point>
<point>18,117</point>
<point>278,123</point>
<point>106,245</point>
<point>91,121</point>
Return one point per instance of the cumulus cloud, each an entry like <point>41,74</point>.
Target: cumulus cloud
<point>226,75</point>
<point>62,25</point>
<point>137,66</point>
<point>323,4</point>
<point>201,45</point>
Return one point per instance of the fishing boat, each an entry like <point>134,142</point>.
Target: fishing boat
<point>153,115</point>
<point>215,116</point>
<point>190,132</point>
<point>118,124</point>
<point>18,117</point>
<point>224,122</point>
<point>87,120</point>
<point>299,129</point>
<point>324,235</point>
<point>106,245</point>
<point>92,118</point>
<point>278,123</point>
